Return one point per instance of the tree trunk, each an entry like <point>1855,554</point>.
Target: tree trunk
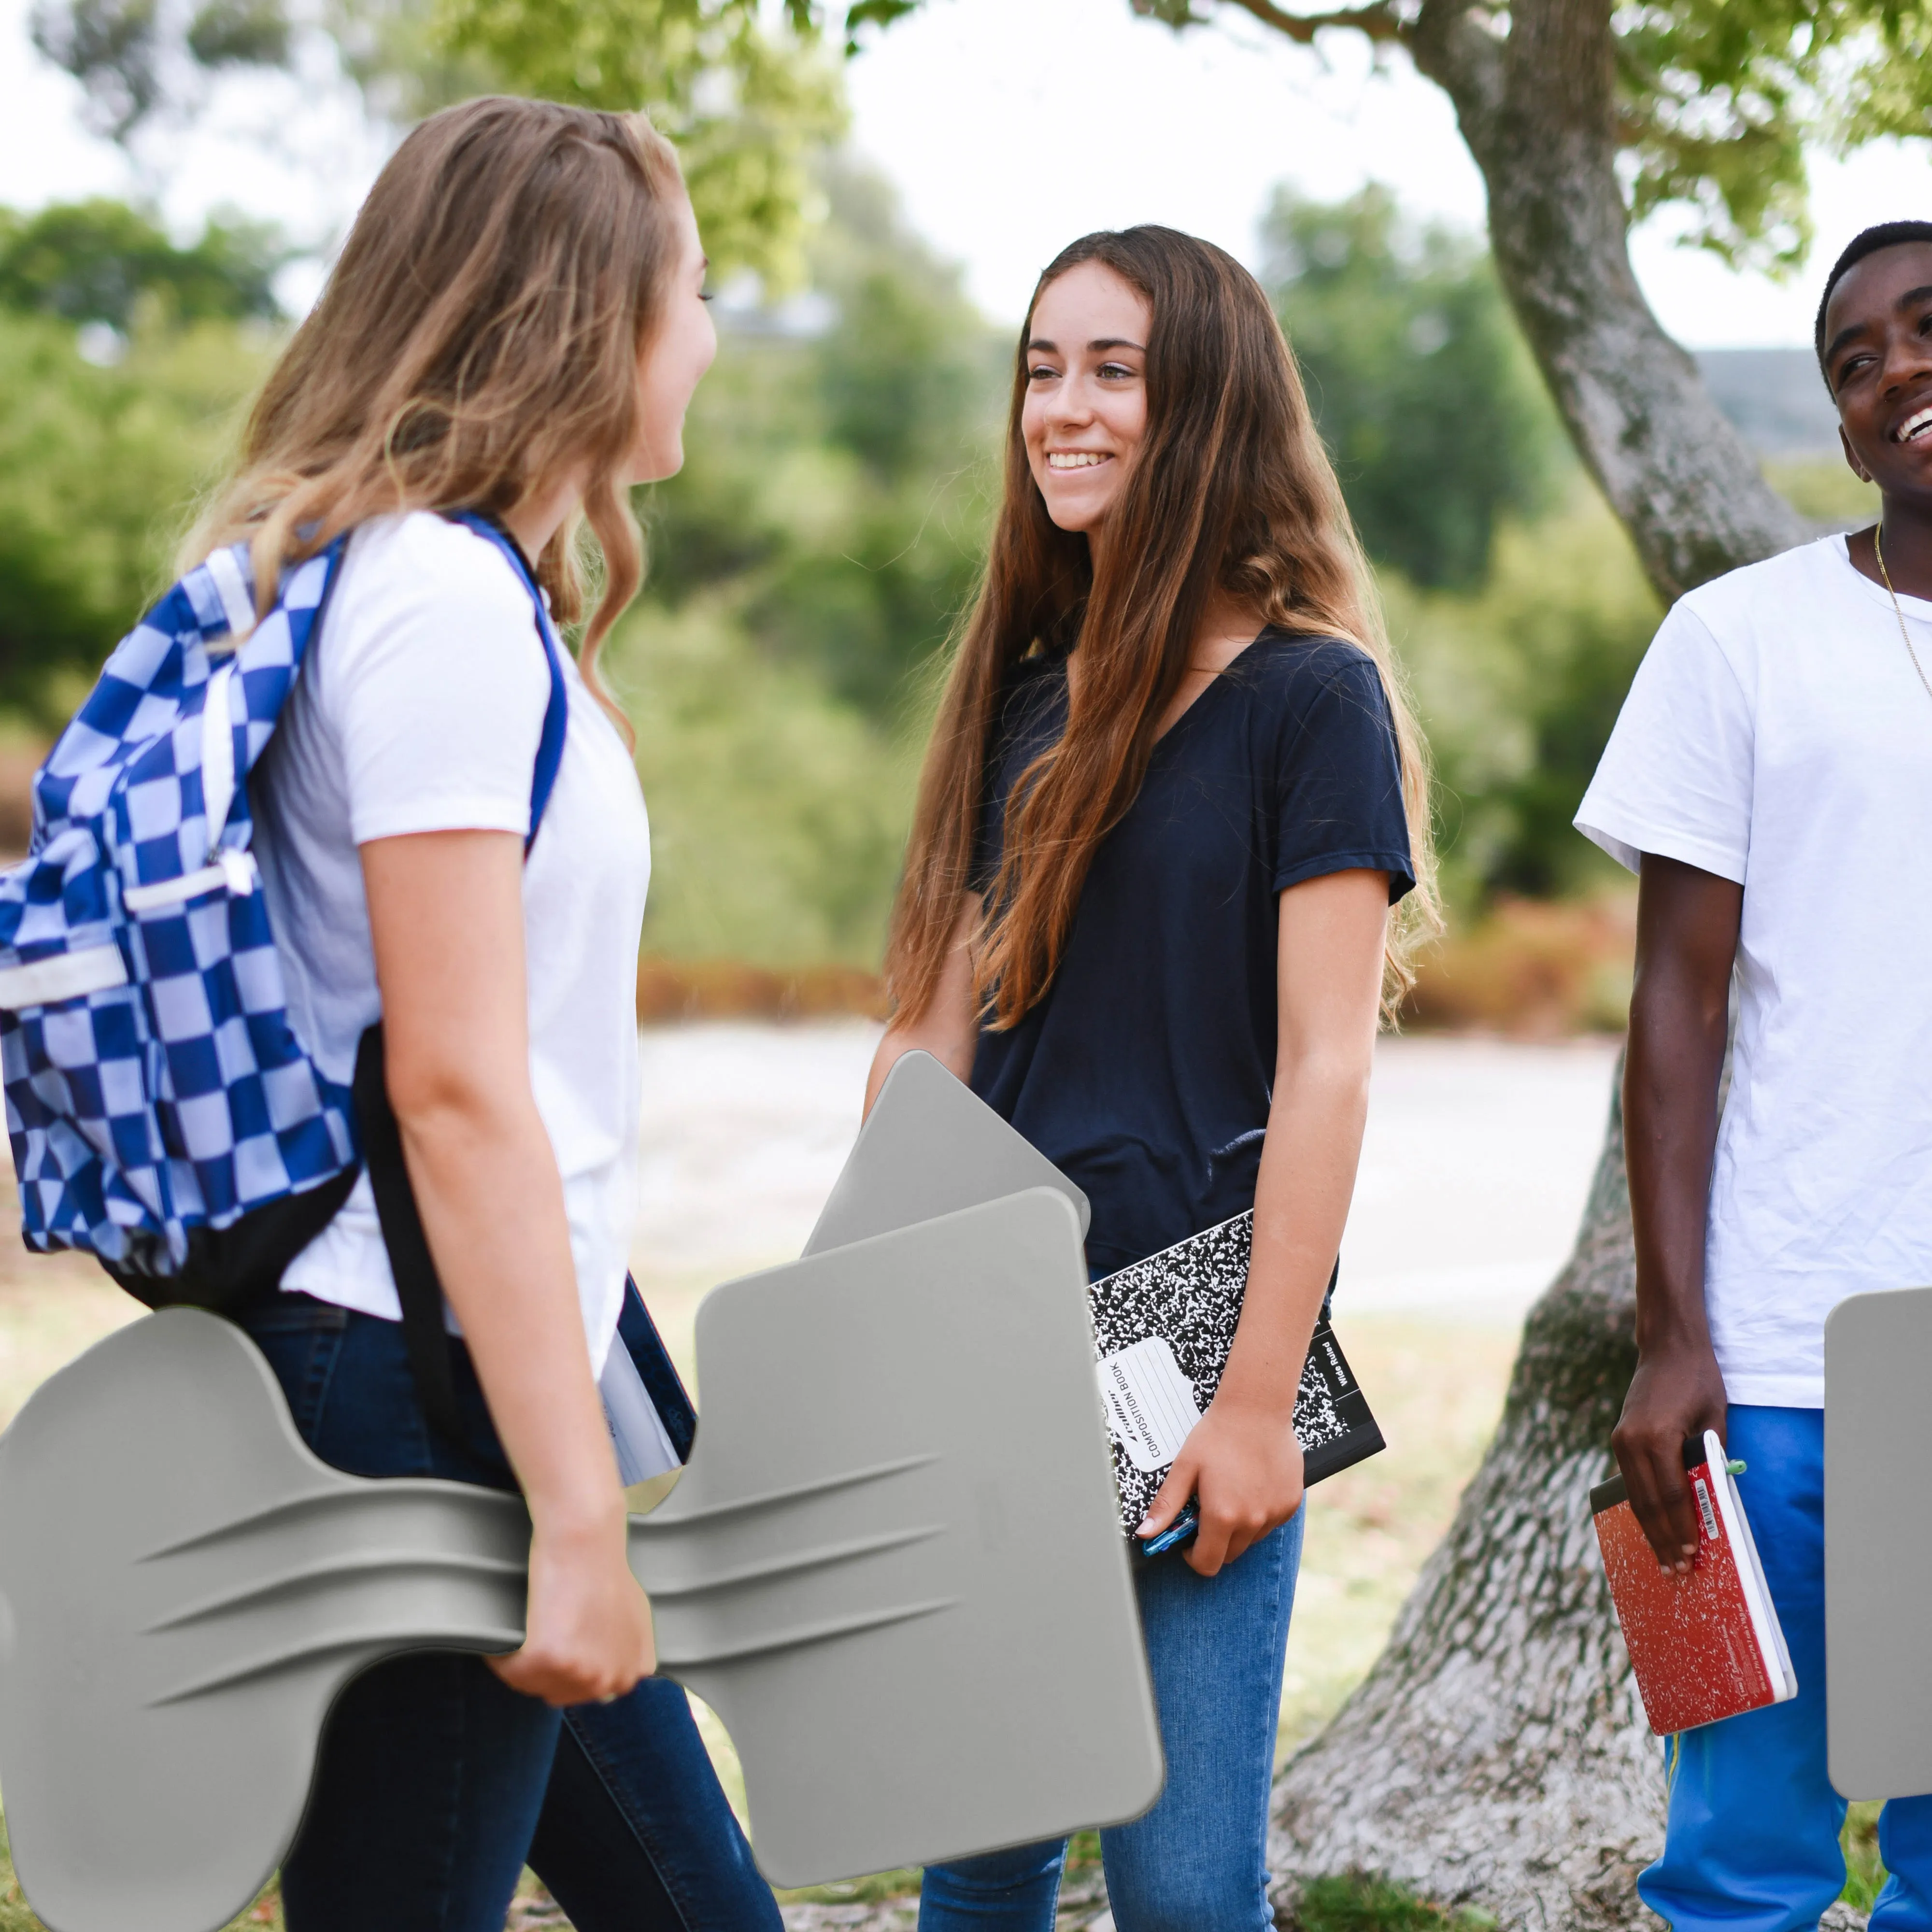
<point>1536,107</point>
<point>1497,1754</point>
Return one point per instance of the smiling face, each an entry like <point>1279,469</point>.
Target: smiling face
<point>679,351</point>
<point>1085,407</point>
<point>1878,360</point>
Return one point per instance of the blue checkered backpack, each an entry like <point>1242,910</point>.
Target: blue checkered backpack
<point>164,1116</point>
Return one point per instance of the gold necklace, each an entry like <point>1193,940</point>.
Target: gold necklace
<point>1878,550</point>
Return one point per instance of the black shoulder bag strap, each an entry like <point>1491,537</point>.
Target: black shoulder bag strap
<point>419,1287</point>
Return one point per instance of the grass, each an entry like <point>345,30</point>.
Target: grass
<point>1864,1870</point>
<point>1359,1903</point>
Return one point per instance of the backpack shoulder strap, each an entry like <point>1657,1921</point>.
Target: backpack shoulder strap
<point>419,1287</point>
<point>556,713</point>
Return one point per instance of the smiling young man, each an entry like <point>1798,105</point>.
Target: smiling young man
<point>1770,780</point>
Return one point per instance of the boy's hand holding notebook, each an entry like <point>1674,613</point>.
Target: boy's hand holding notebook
<point>1707,1644</point>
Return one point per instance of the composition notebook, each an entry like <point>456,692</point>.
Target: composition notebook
<point>1707,1644</point>
<point>1162,1331</point>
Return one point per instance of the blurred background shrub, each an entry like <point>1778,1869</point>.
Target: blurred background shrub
<point>101,261</point>
<point>1436,417</point>
<point>840,458</point>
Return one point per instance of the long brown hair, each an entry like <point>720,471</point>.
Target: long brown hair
<point>1230,490</point>
<point>478,340</point>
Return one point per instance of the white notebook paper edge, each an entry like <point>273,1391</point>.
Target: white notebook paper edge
<point>643,1446</point>
<point>1763,1612</point>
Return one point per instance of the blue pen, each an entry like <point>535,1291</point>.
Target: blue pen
<point>1176,1533</point>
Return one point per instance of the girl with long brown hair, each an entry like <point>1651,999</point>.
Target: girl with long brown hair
<point>1173,791</point>
<point>509,340</point>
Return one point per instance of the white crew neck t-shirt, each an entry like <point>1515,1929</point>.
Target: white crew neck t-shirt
<point>1777,735</point>
<point>418,709</point>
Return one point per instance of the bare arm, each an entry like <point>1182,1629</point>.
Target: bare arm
<point>1242,1459</point>
<point>1687,940</point>
<point>948,1029</point>
<point>446,913</point>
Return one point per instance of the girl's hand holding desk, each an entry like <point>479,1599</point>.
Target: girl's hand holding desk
<point>445,916</point>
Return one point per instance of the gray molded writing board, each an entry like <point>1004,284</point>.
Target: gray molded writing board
<point>892,1567</point>
<point>932,1390</point>
<point>1878,1542</point>
<point>930,1146</point>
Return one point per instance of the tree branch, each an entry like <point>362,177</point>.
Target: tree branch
<point>1454,44</point>
<point>1379,21</point>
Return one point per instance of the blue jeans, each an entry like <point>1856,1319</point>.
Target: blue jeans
<point>1751,1844</point>
<point>436,1783</point>
<point>1197,1862</point>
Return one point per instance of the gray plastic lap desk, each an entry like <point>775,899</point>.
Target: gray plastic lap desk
<point>893,1568</point>
<point>930,1146</point>
<point>1878,1543</point>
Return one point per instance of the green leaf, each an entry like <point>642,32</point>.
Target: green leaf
<point>747,108</point>
<point>98,260</point>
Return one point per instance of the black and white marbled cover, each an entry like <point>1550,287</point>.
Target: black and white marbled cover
<point>1191,1293</point>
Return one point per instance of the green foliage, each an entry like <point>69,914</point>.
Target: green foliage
<point>1357,1903</point>
<point>777,812</point>
<point>807,565</point>
<point>239,33</point>
<point>1722,96</point>
<point>99,469</point>
<point>120,50</point>
<point>839,482</point>
<point>749,103</point>
<point>1425,395</point>
<point>748,108</point>
<point>93,261</point>
<point>1824,490</point>
<point>1517,686</point>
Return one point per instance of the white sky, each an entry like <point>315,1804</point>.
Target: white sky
<point>1010,126</point>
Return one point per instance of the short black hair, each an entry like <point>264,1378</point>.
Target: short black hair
<point>1886,234</point>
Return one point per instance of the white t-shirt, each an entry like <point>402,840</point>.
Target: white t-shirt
<point>1777,736</point>
<point>418,709</point>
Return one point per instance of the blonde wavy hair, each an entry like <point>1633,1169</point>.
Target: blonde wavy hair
<point>478,342</point>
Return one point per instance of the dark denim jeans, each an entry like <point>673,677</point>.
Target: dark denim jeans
<point>435,1783</point>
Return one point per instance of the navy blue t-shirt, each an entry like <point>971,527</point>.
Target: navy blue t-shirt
<point>1145,1072</point>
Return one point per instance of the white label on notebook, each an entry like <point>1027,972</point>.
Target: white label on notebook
<point>1150,1406</point>
<point>1705,1510</point>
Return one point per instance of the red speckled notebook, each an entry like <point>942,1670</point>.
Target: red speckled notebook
<point>1704,1646</point>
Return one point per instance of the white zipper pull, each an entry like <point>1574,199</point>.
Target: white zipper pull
<point>239,873</point>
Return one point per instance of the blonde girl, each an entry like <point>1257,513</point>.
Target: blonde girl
<point>513,331</point>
